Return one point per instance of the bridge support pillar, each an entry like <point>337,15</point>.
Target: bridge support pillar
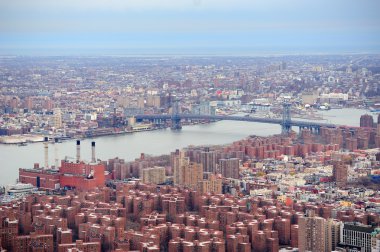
<point>176,119</point>
<point>318,130</point>
<point>286,118</point>
<point>176,123</point>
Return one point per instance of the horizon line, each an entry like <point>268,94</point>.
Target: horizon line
<point>264,54</point>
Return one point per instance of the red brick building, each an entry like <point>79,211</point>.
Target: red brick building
<point>81,175</point>
<point>81,246</point>
<point>41,178</point>
<point>33,242</point>
<point>78,174</point>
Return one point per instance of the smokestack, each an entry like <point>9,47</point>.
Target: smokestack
<point>46,148</point>
<point>56,152</point>
<point>93,160</point>
<point>78,151</point>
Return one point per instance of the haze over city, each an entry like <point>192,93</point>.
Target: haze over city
<point>206,27</point>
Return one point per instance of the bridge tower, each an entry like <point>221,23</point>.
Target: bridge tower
<point>286,118</point>
<point>176,119</point>
<point>113,106</point>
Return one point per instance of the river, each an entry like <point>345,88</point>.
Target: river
<point>157,142</point>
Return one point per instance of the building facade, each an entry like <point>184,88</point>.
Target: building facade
<point>356,236</point>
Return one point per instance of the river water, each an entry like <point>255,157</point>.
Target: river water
<point>157,142</point>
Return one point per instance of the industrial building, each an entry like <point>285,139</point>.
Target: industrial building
<point>71,174</point>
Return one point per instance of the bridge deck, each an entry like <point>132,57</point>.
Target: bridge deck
<point>236,118</point>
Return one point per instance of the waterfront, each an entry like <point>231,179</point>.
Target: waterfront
<point>152,142</point>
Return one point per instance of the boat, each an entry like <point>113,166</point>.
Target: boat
<point>22,144</point>
<point>374,110</point>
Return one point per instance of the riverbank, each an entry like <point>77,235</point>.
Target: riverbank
<point>154,142</point>
<point>24,139</point>
<point>21,139</point>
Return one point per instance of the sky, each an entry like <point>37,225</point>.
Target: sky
<point>216,27</point>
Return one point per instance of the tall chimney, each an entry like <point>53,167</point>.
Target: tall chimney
<point>56,152</point>
<point>93,160</point>
<point>46,148</point>
<point>78,151</point>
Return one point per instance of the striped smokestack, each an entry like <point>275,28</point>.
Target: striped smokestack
<point>46,148</point>
<point>78,151</point>
<point>56,152</point>
<point>93,160</point>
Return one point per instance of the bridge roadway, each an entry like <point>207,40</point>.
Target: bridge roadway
<point>302,124</point>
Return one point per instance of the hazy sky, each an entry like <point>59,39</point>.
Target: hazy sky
<point>188,26</point>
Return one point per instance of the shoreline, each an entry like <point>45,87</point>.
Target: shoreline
<point>23,140</point>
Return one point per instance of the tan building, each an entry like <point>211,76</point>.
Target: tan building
<point>193,172</point>
<point>155,175</point>
<point>211,184</point>
<point>312,234</point>
<point>180,162</point>
<point>153,101</point>
<point>309,97</point>
<point>140,102</point>
<point>57,118</point>
<point>332,234</point>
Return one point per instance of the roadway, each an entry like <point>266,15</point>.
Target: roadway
<point>296,123</point>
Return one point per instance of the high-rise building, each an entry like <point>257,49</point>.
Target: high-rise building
<point>33,242</point>
<point>282,66</point>
<point>180,162</point>
<point>28,103</point>
<point>332,234</point>
<point>48,104</point>
<point>208,160</point>
<point>140,102</point>
<point>375,240</point>
<point>203,108</point>
<point>366,121</point>
<point>340,173</point>
<point>14,102</point>
<point>356,237</point>
<point>193,172</point>
<point>153,101</point>
<point>229,168</point>
<point>57,118</point>
<point>211,183</point>
<point>79,245</point>
<point>312,233</point>
<point>154,175</point>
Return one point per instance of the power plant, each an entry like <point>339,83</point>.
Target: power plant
<point>70,175</point>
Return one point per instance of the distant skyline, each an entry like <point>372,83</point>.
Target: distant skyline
<point>211,27</point>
